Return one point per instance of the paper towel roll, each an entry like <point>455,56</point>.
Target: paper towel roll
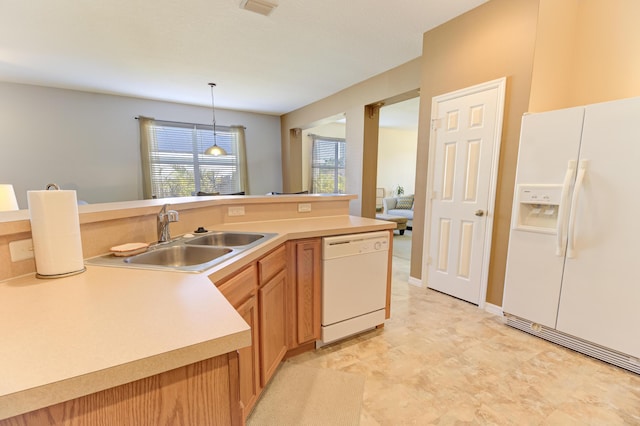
<point>55,229</point>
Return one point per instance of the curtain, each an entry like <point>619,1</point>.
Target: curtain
<point>242,158</point>
<point>146,136</point>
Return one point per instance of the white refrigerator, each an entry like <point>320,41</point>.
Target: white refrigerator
<point>574,248</point>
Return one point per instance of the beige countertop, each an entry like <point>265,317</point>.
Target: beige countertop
<point>69,337</point>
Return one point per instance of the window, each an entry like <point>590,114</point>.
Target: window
<point>174,163</point>
<point>328,165</point>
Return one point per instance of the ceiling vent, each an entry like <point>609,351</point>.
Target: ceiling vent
<point>258,6</point>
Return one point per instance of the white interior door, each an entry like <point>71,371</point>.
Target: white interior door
<point>466,132</point>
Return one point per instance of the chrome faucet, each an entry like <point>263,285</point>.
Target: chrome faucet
<point>165,217</point>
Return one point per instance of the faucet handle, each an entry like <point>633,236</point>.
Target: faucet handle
<point>172,216</point>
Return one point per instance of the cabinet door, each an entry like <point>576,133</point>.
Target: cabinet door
<point>273,341</point>
<point>248,358</point>
<point>308,290</point>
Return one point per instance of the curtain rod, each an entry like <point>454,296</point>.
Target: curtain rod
<point>191,124</point>
<point>326,138</point>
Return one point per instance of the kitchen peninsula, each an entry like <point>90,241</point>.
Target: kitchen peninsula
<point>160,346</point>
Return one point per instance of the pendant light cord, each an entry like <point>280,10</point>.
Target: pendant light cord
<point>214,149</point>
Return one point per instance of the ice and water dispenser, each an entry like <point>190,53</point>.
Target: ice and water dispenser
<point>538,207</point>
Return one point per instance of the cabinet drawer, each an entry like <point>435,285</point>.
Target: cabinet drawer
<point>272,263</point>
<point>241,286</point>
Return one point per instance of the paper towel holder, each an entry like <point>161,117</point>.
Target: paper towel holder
<point>71,262</point>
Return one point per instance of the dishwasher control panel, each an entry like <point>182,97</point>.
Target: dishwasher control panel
<point>354,244</point>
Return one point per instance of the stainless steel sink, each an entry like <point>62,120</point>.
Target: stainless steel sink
<point>226,239</point>
<point>191,254</point>
<point>179,256</point>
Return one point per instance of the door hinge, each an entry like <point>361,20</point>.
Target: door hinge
<point>429,260</point>
<point>436,123</point>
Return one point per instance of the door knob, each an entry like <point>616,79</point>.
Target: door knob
<point>479,213</point>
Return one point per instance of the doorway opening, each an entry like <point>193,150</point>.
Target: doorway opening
<point>396,169</point>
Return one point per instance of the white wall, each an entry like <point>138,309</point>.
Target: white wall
<point>90,142</point>
<point>397,160</point>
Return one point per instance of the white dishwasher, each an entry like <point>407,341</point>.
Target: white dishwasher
<point>354,283</point>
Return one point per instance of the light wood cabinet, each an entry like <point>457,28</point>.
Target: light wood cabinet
<point>248,359</point>
<point>240,290</point>
<point>203,393</point>
<point>273,311</point>
<point>304,291</point>
<point>258,292</point>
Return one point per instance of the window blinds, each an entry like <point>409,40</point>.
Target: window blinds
<point>328,165</point>
<point>177,165</point>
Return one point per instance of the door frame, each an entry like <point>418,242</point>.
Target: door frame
<point>500,85</point>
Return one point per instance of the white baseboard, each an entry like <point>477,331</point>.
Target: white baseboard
<point>415,281</point>
<point>493,309</point>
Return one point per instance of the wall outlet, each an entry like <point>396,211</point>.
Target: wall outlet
<point>236,211</point>
<point>21,250</point>
<point>304,207</point>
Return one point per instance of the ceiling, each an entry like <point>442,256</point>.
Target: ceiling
<point>305,50</point>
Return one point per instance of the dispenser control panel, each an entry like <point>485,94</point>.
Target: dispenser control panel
<point>537,208</point>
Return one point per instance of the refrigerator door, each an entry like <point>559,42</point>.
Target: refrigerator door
<point>548,142</point>
<point>600,300</point>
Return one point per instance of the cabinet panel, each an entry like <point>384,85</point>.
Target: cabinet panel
<point>308,282</point>
<point>248,358</point>
<point>199,394</point>
<point>273,341</point>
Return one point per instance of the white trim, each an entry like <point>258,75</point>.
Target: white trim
<point>415,281</point>
<point>500,85</point>
<point>493,309</point>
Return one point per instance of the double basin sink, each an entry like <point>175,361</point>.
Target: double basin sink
<point>188,253</point>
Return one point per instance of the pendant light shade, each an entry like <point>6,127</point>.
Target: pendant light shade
<point>214,149</point>
<point>7,198</point>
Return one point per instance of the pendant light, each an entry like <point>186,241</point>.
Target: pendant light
<point>214,149</point>
<point>7,198</point>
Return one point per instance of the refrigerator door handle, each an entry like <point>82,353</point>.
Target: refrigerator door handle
<point>562,211</point>
<point>582,169</point>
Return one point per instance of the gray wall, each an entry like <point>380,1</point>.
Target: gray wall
<point>90,142</point>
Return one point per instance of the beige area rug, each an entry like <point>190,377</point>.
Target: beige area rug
<point>402,245</point>
<point>304,396</point>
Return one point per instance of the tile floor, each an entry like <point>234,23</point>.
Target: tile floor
<point>442,361</point>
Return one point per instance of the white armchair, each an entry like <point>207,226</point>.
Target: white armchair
<point>399,206</point>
